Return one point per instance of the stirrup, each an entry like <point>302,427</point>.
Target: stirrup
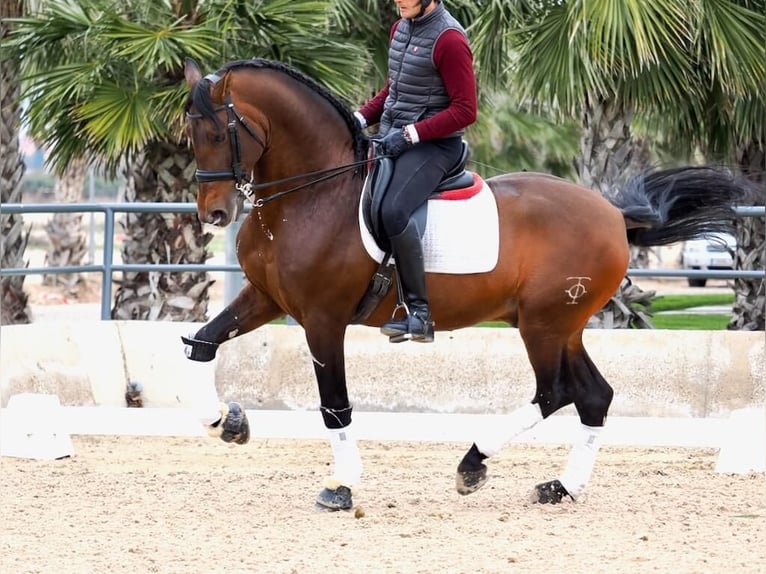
<point>397,327</point>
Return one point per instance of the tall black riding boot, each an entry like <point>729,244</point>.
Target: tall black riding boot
<point>417,324</point>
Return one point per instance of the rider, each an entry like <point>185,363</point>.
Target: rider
<point>427,102</point>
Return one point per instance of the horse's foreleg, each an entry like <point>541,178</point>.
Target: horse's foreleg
<point>327,354</point>
<point>249,310</point>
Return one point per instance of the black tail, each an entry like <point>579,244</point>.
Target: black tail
<point>672,205</point>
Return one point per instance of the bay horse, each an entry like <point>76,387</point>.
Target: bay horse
<point>265,130</point>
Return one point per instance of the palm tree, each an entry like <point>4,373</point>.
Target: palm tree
<point>728,125</point>
<point>604,62</point>
<point>506,139</point>
<point>749,151</point>
<point>66,237</point>
<point>749,311</point>
<point>737,137</point>
<point>366,23</point>
<point>13,237</point>
<point>105,82</point>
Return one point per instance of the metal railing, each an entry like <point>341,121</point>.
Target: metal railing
<point>107,267</point>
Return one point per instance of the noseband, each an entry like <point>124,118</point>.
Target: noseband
<point>243,183</point>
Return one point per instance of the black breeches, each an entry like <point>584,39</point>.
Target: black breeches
<point>416,174</point>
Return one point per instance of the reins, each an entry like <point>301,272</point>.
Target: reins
<point>325,174</point>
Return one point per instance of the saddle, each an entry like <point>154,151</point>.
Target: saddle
<point>458,183</point>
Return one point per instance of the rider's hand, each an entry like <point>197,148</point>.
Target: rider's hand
<point>394,143</point>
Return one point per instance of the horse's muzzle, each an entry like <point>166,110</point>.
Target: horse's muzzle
<point>217,206</point>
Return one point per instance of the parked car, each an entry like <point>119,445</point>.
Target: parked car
<point>715,251</point>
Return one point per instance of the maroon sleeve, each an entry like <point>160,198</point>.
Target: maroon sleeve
<point>373,109</point>
<point>454,60</point>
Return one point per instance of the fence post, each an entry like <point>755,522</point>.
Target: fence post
<point>232,283</point>
<point>92,226</point>
<point>106,278</point>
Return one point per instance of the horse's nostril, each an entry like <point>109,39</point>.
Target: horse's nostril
<point>217,217</point>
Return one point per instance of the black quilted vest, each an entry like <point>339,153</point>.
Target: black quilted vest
<point>416,90</point>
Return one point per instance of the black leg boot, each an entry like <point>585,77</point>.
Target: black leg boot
<point>417,325</point>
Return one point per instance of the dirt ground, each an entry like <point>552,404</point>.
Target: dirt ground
<point>186,506</point>
<point>198,506</point>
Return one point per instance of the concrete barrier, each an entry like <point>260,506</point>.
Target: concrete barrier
<point>653,372</point>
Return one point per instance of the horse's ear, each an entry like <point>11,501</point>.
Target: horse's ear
<point>192,72</point>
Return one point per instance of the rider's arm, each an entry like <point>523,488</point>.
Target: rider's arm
<point>373,109</point>
<point>454,60</point>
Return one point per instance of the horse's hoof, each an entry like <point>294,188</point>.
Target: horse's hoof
<point>335,499</point>
<point>233,425</point>
<point>469,481</point>
<point>551,492</point>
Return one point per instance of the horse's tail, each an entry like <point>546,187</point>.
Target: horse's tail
<point>666,206</point>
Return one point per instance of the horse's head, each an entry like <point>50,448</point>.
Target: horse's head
<point>226,145</point>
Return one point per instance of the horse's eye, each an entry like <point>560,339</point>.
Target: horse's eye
<point>219,138</point>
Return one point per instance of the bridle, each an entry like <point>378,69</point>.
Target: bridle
<point>244,183</point>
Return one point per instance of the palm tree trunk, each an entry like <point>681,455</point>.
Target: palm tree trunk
<point>609,155</point>
<point>165,173</point>
<point>607,149</point>
<point>750,294</point>
<point>66,236</point>
<point>13,241</point>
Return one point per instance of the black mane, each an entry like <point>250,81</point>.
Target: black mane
<point>200,98</point>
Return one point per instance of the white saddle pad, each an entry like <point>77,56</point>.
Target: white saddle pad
<point>462,235</point>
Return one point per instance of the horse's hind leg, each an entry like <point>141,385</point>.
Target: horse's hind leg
<point>325,342</point>
<point>548,357</point>
<point>592,398</point>
<point>564,374</point>
<point>472,472</point>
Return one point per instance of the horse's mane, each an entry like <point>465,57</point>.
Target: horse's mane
<point>200,97</point>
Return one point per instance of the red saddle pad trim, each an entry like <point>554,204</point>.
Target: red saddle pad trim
<point>463,192</point>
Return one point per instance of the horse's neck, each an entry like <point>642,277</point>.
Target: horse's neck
<point>333,199</point>
<point>307,135</point>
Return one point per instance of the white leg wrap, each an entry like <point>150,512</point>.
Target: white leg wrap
<point>348,462</point>
<point>198,392</point>
<point>582,457</point>
<point>492,440</point>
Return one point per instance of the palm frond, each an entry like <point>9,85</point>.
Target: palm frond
<point>731,39</point>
